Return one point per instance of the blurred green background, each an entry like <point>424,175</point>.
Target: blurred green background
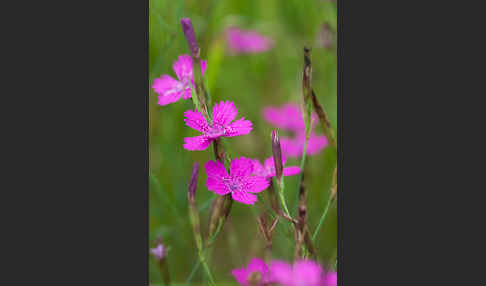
<point>252,81</point>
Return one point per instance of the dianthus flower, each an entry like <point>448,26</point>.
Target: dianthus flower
<point>158,252</point>
<point>222,126</point>
<point>240,182</point>
<point>330,279</point>
<point>267,170</point>
<point>246,41</point>
<point>303,273</point>
<point>171,90</point>
<point>255,273</point>
<point>289,117</point>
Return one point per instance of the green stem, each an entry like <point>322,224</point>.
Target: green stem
<point>304,153</point>
<point>193,272</point>
<point>205,265</point>
<point>323,217</point>
<point>280,190</point>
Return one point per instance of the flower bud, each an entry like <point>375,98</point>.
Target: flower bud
<point>190,36</point>
<point>277,155</point>
<point>158,252</point>
<point>193,182</point>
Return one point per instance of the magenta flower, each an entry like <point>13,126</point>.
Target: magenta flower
<point>330,279</point>
<point>303,273</point>
<point>158,252</point>
<point>256,271</point>
<point>223,115</point>
<point>171,90</point>
<point>289,117</point>
<point>267,170</point>
<point>245,41</point>
<point>240,182</point>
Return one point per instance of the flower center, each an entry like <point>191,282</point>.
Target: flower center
<point>234,184</point>
<point>215,131</point>
<point>254,278</point>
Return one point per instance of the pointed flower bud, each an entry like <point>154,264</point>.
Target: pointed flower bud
<point>193,182</point>
<point>190,36</point>
<point>277,155</point>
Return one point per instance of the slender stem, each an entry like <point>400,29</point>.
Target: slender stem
<point>164,271</point>
<point>206,268</point>
<point>281,196</point>
<point>323,217</point>
<point>304,153</point>
<point>193,272</point>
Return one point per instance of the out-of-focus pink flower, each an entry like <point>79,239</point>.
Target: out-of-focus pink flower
<point>256,271</point>
<point>303,273</point>
<point>330,279</point>
<point>294,147</point>
<point>223,115</point>
<point>267,170</point>
<point>240,182</point>
<point>289,117</point>
<point>171,90</point>
<point>158,252</point>
<point>247,41</point>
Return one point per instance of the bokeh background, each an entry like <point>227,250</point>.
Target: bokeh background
<point>252,81</point>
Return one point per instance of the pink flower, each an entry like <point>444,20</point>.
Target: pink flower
<point>303,273</point>
<point>330,279</point>
<point>171,90</point>
<point>267,170</point>
<point>289,117</point>
<point>256,271</point>
<point>240,182</point>
<point>245,41</point>
<point>223,115</point>
<point>158,252</point>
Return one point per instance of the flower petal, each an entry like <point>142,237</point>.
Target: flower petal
<point>183,67</point>
<point>204,66</point>
<point>187,91</point>
<point>244,197</point>
<point>224,112</point>
<point>316,143</point>
<point>256,184</point>
<point>217,185</point>
<point>290,171</point>
<point>270,163</point>
<point>291,147</point>
<point>281,272</point>
<point>241,275</point>
<point>167,88</point>
<point>247,41</point>
<point>197,143</point>
<point>257,265</point>
<point>216,172</point>
<point>287,117</point>
<point>215,169</point>
<point>309,272</point>
<point>330,279</point>
<point>196,120</point>
<point>168,99</point>
<point>237,128</point>
<point>258,168</point>
<point>241,167</point>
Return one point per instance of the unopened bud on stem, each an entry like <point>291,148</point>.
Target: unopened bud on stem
<point>190,36</point>
<point>193,182</point>
<point>277,155</point>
